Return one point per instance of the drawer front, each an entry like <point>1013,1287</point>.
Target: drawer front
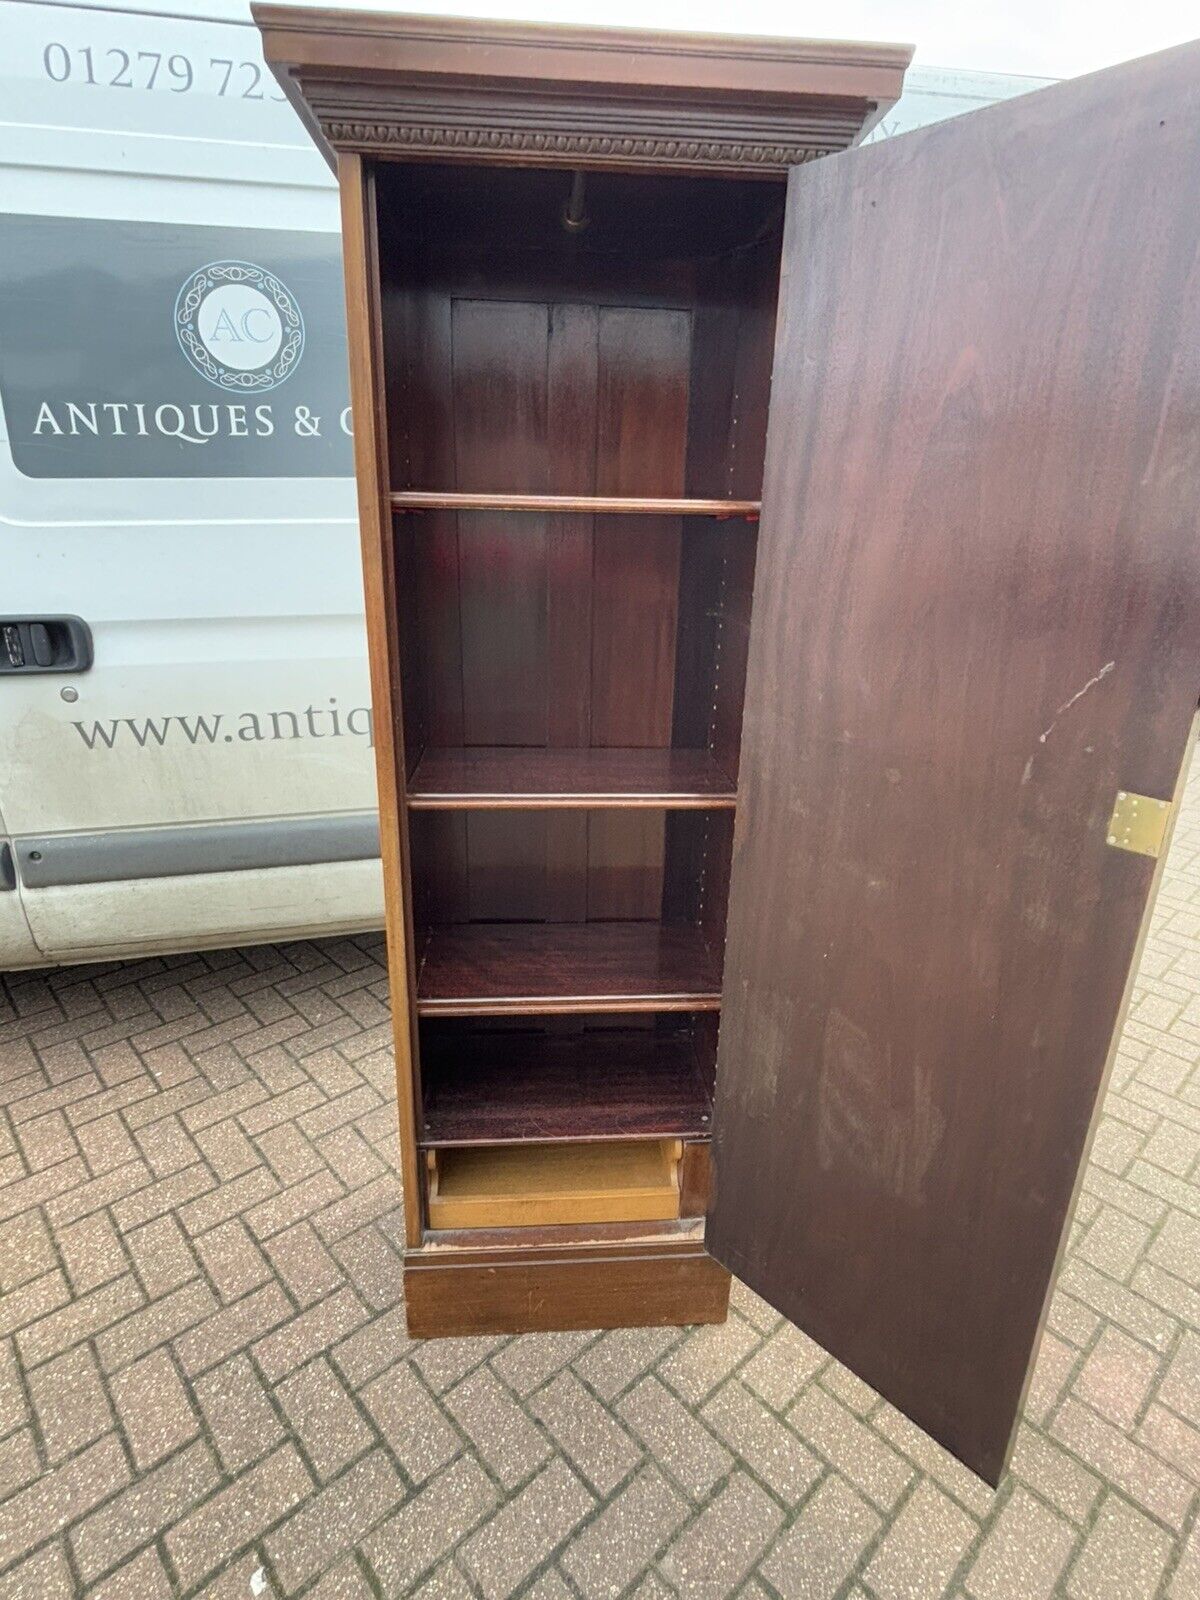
<point>537,1185</point>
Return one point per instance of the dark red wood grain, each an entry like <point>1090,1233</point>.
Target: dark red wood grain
<point>447,1293</point>
<point>500,442</point>
<point>571,421</point>
<point>491,1087</point>
<point>513,776</point>
<point>524,360</point>
<point>641,449</point>
<point>490,969</point>
<point>976,617</point>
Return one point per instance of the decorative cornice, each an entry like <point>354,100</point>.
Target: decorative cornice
<point>492,34</point>
<point>529,93</point>
<point>552,146</point>
<point>669,133</point>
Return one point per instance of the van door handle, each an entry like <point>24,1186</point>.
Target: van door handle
<point>44,644</point>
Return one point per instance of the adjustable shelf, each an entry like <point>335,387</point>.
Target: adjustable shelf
<point>507,1087</point>
<point>513,778</point>
<point>591,505</point>
<point>482,969</point>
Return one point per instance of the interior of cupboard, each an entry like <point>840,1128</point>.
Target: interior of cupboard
<point>491,1081</point>
<point>572,680</point>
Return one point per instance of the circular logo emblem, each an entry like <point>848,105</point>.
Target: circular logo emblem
<point>239,326</point>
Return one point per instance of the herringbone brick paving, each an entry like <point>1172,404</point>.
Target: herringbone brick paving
<point>206,1387</point>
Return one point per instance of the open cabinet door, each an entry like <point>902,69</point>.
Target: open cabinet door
<point>976,622</point>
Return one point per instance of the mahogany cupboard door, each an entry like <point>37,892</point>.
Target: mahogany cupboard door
<point>976,621</point>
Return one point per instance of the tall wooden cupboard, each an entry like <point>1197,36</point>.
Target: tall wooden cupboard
<point>782,591</point>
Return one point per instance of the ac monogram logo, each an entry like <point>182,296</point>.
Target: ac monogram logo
<point>239,326</point>
<point>226,330</point>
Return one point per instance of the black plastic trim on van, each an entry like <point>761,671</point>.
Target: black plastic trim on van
<point>44,644</point>
<point>56,860</point>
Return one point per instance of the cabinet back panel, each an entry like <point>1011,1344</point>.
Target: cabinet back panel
<point>641,447</point>
<point>512,866</point>
<point>621,361</point>
<point>489,227</point>
<point>416,342</point>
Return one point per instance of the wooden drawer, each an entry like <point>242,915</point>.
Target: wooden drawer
<point>527,1185</point>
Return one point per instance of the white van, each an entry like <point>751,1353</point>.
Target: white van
<point>185,733</point>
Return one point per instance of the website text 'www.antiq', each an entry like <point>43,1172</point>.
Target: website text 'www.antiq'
<point>228,727</point>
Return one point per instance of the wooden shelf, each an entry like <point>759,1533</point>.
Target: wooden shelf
<point>485,1087</point>
<point>509,778</point>
<point>590,505</point>
<point>483,969</point>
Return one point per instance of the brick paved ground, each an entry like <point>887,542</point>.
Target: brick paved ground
<point>205,1385</point>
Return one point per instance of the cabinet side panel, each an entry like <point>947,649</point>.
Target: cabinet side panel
<point>379,593</point>
<point>732,345</point>
<point>747,449</point>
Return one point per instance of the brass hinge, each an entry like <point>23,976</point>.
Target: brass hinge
<point>1138,823</point>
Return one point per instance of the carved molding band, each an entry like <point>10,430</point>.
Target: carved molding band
<point>707,153</point>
